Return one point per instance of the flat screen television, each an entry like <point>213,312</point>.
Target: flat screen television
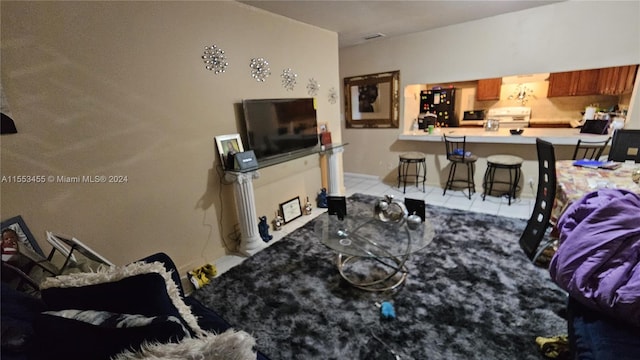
<point>280,127</point>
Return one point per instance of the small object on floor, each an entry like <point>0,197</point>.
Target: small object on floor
<point>386,310</point>
<point>555,347</point>
<point>198,278</point>
<point>210,270</point>
<point>396,356</point>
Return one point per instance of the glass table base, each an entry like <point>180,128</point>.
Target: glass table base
<point>373,273</point>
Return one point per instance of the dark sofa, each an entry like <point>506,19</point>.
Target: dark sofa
<point>27,333</point>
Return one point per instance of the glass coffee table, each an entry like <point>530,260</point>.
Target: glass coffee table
<point>372,253</point>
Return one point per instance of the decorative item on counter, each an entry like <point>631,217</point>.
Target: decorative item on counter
<point>635,176</point>
<point>278,221</point>
<point>263,228</point>
<point>617,122</point>
<point>321,199</point>
<point>260,69</point>
<point>308,207</point>
<point>589,113</point>
<point>389,209</point>
<point>516,131</point>
<point>491,125</point>
<point>415,127</point>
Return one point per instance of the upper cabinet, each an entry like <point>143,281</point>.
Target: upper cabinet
<point>617,80</point>
<point>488,89</point>
<point>607,81</point>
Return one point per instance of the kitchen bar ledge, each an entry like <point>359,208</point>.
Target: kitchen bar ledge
<point>556,136</point>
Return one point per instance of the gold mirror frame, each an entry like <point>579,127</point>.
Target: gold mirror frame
<point>371,101</point>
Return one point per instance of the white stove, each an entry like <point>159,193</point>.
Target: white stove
<point>511,117</point>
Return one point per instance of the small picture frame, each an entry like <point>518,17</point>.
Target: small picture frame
<point>416,206</point>
<point>227,143</point>
<point>25,236</point>
<point>337,206</point>
<point>291,209</point>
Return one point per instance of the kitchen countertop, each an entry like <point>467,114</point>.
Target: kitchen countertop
<point>556,136</point>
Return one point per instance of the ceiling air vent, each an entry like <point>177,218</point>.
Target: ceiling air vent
<point>374,36</point>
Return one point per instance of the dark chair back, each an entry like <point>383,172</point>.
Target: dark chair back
<point>456,147</point>
<point>590,150</point>
<point>625,145</point>
<point>539,222</point>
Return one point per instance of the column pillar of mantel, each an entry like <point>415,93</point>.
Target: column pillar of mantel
<point>250,240</point>
<point>333,170</point>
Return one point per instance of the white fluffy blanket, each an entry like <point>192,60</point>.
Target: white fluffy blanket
<point>230,345</point>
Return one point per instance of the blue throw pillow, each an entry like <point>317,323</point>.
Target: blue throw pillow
<point>74,334</point>
<point>143,294</point>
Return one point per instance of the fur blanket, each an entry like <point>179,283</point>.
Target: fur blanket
<point>229,345</point>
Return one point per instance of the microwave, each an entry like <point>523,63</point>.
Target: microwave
<point>473,115</point>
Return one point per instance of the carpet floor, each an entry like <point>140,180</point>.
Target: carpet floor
<point>470,294</point>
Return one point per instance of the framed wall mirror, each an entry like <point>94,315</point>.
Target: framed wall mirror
<point>371,101</point>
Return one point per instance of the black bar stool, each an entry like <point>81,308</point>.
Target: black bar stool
<point>512,164</point>
<point>456,150</point>
<point>420,174</point>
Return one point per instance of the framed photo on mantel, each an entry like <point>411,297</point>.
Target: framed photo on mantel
<point>291,209</point>
<point>228,144</point>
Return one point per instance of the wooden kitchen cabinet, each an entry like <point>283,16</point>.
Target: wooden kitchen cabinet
<point>488,89</point>
<point>574,83</point>
<point>587,82</point>
<point>560,84</point>
<point>617,80</point>
<point>607,81</point>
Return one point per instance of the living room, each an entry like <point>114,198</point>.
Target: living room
<point>120,89</point>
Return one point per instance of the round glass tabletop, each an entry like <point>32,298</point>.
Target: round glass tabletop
<point>370,237</point>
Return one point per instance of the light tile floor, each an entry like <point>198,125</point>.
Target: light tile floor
<point>519,208</point>
<point>370,185</point>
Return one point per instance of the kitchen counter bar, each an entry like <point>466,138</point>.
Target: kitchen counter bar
<point>556,136</point>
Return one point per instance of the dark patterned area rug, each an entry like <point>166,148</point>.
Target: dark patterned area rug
<point>470,294</point>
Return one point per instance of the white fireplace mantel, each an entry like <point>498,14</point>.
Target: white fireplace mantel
<point>250,240</point>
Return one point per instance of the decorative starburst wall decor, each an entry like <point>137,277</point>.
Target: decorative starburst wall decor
<point>288,79</point>
<point>313,87</point>
<point>260,69</point>
<point>333,95</point>
<point>214,59</point>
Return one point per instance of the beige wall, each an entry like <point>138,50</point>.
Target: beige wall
<point>119,88</point>
<point>557,37</point>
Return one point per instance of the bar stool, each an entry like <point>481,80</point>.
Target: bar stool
<point>420,173</point>
<point>456,150</point>
<point>512,164</point>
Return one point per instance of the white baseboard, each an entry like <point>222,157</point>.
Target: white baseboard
<point>362,176</point>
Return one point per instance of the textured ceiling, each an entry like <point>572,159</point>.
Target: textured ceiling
<point>355,20</point>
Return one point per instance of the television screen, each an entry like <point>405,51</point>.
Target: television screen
<point>278,127</point>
